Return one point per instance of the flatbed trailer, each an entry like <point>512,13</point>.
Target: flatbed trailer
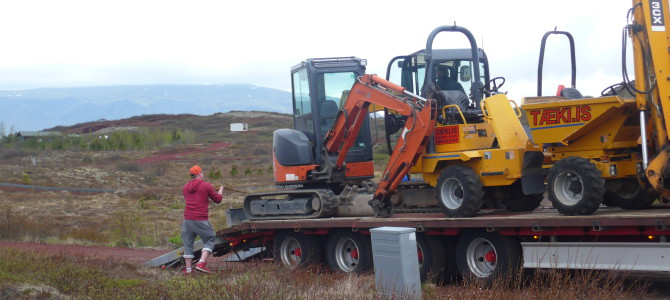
<point>492,243</point>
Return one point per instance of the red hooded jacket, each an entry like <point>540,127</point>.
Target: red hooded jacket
<point>197,194</point>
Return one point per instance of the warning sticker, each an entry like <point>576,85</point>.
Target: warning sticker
<point>446,135</point>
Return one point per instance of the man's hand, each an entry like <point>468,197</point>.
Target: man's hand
<point>221,190</point>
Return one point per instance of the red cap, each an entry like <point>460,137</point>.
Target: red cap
<point>195,170</point>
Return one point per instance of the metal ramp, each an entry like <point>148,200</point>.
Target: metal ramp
<point>233,217</point>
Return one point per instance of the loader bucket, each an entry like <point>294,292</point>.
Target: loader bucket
<point>560,120</point>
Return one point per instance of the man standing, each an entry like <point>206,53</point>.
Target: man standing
<point>196,218</point>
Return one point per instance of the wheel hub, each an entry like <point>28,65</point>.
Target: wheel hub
<point>568,188</point>
<point>452,193</point>
<point>575,187</point>
<point>297,252</point>
<point>458,192</point>
<point>490,256</point>
<point>481,257</point>
<point>354,253</point>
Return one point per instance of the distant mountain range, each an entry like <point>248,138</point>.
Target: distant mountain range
<point>37,109</point>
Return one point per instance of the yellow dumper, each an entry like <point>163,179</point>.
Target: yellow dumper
<point>592,150</point>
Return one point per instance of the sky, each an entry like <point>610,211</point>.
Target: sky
<point>69,43</point>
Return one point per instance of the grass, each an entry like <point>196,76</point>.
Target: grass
<point>30,275</point>
<point>149,214</point>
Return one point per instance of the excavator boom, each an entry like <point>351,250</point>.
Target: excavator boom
<point>650,33</point>
<point>421,116</point>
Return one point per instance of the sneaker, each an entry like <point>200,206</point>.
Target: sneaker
<point>202,266</point>
<point>187,273</point>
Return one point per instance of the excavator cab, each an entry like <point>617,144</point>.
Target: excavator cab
<point>320,88</point>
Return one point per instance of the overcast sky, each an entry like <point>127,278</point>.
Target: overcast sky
<point>66,43</point>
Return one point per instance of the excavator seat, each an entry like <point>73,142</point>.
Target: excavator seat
<point>328,112</point>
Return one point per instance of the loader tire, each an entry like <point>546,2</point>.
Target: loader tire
<point>575,186</point>
<point>630,195</point>
<point>459,192</point>
<point>516,200</point>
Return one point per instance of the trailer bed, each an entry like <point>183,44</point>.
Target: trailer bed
<point>606,219</point>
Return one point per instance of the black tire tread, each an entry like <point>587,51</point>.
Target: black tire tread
<point>434,257</point>
<point>593,186</point>
<point>640,200</point>
<point>472,189</point>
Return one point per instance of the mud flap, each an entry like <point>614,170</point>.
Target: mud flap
<point>532,174</point>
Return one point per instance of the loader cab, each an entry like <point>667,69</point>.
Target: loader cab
<point>320,89</point>
<point>452,69</point>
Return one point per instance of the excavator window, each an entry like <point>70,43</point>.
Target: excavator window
<point>333,94</point>
<point>302,106</point>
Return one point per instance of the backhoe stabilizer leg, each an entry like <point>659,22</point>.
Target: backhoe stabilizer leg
<point>656,170</point>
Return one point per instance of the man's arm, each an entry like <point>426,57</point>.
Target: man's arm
<point>215,196</point>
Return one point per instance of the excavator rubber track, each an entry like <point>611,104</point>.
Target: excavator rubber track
<point>291,204</point>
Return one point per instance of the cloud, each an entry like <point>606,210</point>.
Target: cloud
<point>79,42</point>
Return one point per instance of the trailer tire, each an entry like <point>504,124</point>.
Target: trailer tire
<point>630,195</point>
<point>459,191</point>
<point>575,186</point>
<point>450,272</point>
<point>487,255</point>
<point>432,257</point>
<point>295,250</point>
<point>349,252</point>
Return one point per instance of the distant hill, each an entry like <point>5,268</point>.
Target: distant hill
<point>37,109</point>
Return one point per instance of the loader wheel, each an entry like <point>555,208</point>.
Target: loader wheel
<point>349,252</point>
<point>487,255</point>
<point>516,200</point>
<point>630,195</point>
<point>575,186</point>
<point>295,250</point>
<point>459,191</point>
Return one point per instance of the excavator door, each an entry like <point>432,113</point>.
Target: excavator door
<point>320,88</point>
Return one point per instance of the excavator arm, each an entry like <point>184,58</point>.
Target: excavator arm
<point>421,115</point>
<point>649,31</point>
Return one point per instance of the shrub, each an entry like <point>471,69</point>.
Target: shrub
<point>214,174</point>
<point>128,167</point>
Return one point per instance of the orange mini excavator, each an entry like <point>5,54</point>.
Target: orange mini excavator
<point>328,154</point>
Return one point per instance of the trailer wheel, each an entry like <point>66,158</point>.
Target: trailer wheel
<point>432,257</point>
<point>459,191</point>
<point>487,255</point>
<point>575,186</point>
<point>630,195</point>
<point>349,252</point>
<point>295,250</point>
